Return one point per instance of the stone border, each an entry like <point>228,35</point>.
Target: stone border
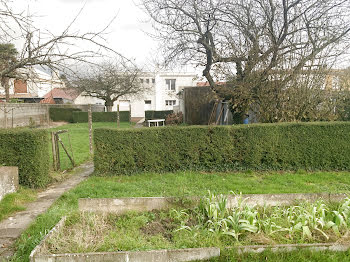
<point>37,249</point>
<point>174,255</point>
<point>141,204</point>
<point>292,247</point>
<point>178,255</point>
<point>120,206</point>
<point>8,180</point>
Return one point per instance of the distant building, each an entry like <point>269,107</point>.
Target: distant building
<point>32,86</point>
<point>61,96</point>
<point>161,93</point>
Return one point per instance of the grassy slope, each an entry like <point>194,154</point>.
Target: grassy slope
<point>189,184</point>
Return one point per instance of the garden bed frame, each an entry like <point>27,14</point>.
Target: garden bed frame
<point>122,205</point>
<point>175,255</point>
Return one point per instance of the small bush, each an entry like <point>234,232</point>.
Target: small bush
<point>174,119</point>
<point>29,150</point>
<point>62,114</point>
<point>157,114</point>
<point>288,146</point>
<point>82,117</point>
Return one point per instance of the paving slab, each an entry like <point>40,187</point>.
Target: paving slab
<point>12,227</point>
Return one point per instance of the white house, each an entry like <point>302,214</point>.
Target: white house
<point>161,93</point>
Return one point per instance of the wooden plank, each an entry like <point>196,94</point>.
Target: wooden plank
<point>65,150</point>
<point>61,131</point>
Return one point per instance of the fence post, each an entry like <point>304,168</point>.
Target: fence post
<point>48,115</point>
<point>130,113</point>
<point>90,128</point>
<point>5,115</point>
<point>118,117</point>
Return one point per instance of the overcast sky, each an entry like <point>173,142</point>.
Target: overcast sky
<point>126,34</point>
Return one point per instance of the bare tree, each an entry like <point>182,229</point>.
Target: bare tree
<point>40,47</point>
<point>109,81</point>
<point>250,40</point>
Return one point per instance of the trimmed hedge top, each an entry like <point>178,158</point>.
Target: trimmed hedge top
<point>288,146</point>
<point>82,117</point>
<point>29,150</point>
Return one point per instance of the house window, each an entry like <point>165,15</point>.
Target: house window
<point>20,87</point>
<point>170,102</point>
<point>141,80</point>
<point>147,81</point>
<point>170,84</point>
<point>148,102</point>
<point>153,80</point>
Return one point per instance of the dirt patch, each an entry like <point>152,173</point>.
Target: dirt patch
<point>260,239</point>
<point>163,227</point>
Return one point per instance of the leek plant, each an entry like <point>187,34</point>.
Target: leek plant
<point>304,221</point>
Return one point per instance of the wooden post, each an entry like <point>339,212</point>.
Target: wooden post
<point>58,160</point>
<point>118,117</point>
<point>71,149</point>
<point>12,117</point>
<point>130,113</point>
<point>48,115</point>
<point>54,157</point>
<point>90,128</point>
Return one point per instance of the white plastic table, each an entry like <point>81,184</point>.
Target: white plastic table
<point>156,122</point>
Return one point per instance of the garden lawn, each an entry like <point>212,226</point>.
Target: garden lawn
<point>197,184</point>
<point>79,136</point>
<point>15,202</point>
<point>185,184</point>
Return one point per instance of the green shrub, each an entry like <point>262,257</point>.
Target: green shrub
<point>150,114</point>
<point>289,146</point>
<point>62,114</point>
<point>29,150</point>
<point>82,117</point>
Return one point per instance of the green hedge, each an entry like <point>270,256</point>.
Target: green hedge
<point>29,150</point>
<point>150,114</point>
<point>292,146</point>
<point>82,117</point>
<point>62,114</point>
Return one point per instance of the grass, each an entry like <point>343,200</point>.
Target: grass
<point>181,184</point>
<point>79,136</point>
<point>15,202</point>
<point>194,183</point>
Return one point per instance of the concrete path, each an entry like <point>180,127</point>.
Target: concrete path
<point>12,227</point>
<point>139,124</point>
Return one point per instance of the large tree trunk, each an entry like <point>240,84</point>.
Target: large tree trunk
<point>5,84</point>
<point>109,106</point>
